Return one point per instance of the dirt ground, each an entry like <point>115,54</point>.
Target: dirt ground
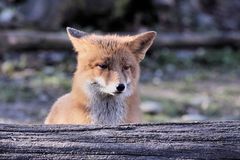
<point>198,96</point>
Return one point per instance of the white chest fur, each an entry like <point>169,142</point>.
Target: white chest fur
<point>108,110</point>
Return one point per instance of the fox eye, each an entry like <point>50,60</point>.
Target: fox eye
<point>103,66</point>
<point>126,67</point>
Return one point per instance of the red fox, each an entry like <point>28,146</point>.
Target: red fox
<point>105,83</point>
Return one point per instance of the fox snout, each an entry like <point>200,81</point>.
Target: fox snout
<point>120,87</point>
<point>114,88</point>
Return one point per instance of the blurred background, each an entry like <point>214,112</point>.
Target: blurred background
<point>192,71</point>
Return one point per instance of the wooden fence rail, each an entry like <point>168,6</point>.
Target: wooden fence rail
<point>198,140</point>
<point>32,40</point>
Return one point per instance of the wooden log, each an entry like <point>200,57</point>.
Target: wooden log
<point>198,39</point>
<point>198,140</point>
<point>30,40</point>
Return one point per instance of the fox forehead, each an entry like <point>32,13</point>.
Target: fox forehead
<point>106,48</point>
<point>108,43</point>
<point>112,60</point>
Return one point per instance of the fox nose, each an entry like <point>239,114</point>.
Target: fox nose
<point>120,87</point>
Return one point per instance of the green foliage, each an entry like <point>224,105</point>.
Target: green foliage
<point>120,7</point>
<point>15,92</point>
<point>225,57</point>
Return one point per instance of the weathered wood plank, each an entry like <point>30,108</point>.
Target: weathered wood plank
<point>198,140</point>
<point>32,40</point>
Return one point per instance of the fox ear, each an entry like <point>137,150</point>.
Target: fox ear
<point>141,43</point>
<point>75,36</point>
<point>75,33</point>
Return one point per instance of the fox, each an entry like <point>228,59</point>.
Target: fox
<point>105,83</point>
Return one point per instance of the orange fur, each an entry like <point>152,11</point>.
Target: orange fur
<point>94,84</point>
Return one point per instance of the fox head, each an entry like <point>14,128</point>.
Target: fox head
<point>108,65</point>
